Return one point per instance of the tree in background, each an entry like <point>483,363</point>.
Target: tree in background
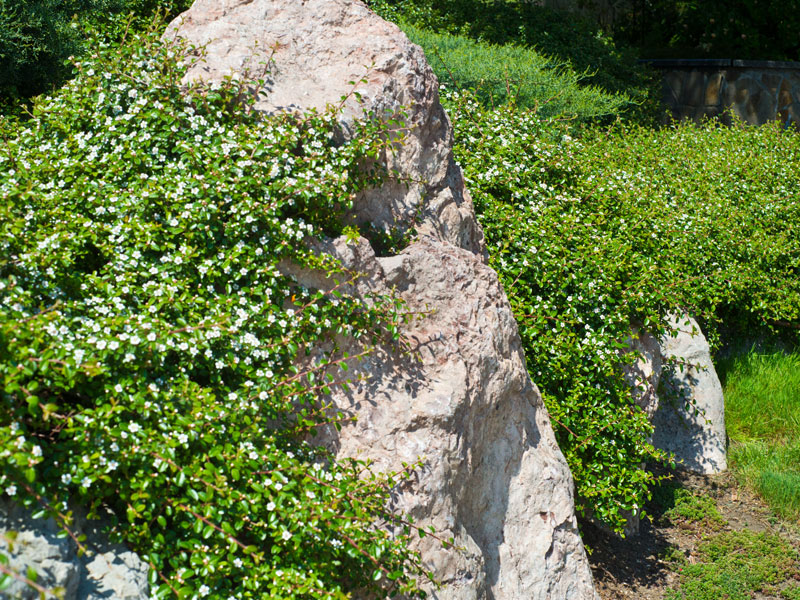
<point>37,37</point>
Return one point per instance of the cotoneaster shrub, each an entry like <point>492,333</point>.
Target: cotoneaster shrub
<point>596,233</point>
<point>149,343</point>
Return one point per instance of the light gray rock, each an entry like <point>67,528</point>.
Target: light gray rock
<point>106,571</point>
<point>458,395</point>
<point>644,374</point>
<point>696,435</point>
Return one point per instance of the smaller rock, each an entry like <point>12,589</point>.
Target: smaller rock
<point>106,571</point>
<point>695,435</point>
<point>644,374</point>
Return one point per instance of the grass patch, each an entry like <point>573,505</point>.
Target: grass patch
<point>762,394</point>
<point>762,405</point>
<point>772,470</point>
<point>737,565</point>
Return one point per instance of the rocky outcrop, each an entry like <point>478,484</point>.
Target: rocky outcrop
<point>106,570</point>
<point>458,397</point>
<point>693,431</point>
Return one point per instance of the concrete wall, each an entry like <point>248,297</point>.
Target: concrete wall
<point>755,91</point>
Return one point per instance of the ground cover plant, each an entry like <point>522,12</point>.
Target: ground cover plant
<point>738,565</point>
<point>596,232</point>
<point>725,562</point>
<point>149,342</point>
<point>762,413</point>
<point>510,73</point>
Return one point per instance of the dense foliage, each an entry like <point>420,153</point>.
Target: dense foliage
<point>503,74</point>
<point>596,234</point>
<point>150,345</point>
<point>748,29</point>
<point>37,37</point>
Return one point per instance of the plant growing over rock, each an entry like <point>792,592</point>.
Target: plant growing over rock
<point>595,231</point>
<point>149,342</point>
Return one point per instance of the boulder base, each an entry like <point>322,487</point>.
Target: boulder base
<point>105,571</point>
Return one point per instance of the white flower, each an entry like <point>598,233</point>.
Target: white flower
<point>270,506</point>
<point>237,562</point>
<point>183,438</point>
<point>134,428</point>
<point>286,535</point>
<point>66,478</point>
<point>36,451</point>
<point>204,590</point>
<point>86,482</point>
<point>118,388</point>
<point>11,490</point>
<point>135,340</point>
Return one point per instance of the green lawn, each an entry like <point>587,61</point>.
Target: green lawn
<point>762,407</point>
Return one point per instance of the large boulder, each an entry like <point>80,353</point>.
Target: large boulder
<point>690,420</point>
<point>106,570</point>
<point>459,397</point>
<point>313,53</point>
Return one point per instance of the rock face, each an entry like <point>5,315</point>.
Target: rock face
<point>459,397</point>
<point>106,571</point>
<point>699,440</point>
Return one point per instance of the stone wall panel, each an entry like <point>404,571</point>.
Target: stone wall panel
<point>754,91</point>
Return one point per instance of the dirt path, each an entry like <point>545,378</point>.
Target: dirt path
<point>638,567</point>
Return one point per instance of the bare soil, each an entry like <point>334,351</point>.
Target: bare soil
<point>636,567</point>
